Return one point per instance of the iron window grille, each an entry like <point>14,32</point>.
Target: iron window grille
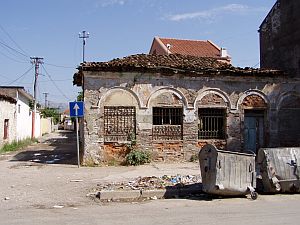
<point>167,123</point>
<point>119,123</point>
<point>211,123</point>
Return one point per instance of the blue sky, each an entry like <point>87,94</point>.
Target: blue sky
<point>117,28</point>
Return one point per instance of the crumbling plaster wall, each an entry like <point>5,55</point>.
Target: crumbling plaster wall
<point>145,91</point>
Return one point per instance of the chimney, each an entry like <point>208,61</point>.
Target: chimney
<point>223,53</point>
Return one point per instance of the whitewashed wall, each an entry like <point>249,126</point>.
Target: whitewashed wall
<point>7,111</point>
<point>24,123</point>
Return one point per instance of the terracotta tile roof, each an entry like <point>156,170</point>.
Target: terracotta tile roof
<point>156,62</point>
<point>169,65</point>
<point>192,47</point>
<point>7,98</point>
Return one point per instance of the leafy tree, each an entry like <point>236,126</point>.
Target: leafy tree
<point>80,96</point>
<point>51,112</point>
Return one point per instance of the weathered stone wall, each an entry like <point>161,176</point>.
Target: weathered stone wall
<point>280,38</point>
<point>145,91</point>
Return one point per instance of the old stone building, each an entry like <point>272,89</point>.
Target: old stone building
<point>171,105</point>
<point>280,37</point>
<point>280,49</point>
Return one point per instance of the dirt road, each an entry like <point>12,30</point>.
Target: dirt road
<point>46,174</point>
<point>42,185</point>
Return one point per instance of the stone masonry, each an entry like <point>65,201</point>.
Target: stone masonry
<point>233,90</point>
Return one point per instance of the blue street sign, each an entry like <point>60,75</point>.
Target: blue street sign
<point>76,109</point>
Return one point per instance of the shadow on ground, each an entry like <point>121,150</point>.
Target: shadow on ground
<point>194,192</point>
<point>59,149</point>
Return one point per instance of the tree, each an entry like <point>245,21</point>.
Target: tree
<point>80,96</point>
<point>51,112</point>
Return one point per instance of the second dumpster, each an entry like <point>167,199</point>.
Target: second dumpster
<point>279,169</point>
<point>227,173</point>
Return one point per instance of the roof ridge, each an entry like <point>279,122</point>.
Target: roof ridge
<point>183,39</point>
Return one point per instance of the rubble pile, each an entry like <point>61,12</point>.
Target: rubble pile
<point>150,183</point>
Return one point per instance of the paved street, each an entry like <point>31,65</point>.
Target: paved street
<point>43,185</point>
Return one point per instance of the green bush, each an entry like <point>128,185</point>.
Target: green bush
<point>137,157</point>
<point>194,158</point>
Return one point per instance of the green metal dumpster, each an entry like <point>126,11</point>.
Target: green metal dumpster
<point>279,169</point>
<point>227,173</point>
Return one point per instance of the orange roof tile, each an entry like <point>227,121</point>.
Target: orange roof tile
<point>192,47</point>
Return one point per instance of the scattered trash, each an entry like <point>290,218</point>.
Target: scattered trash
<point>149,183</point>
<point>76,180</point>
<point>153,198</point>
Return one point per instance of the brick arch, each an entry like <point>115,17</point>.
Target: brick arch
<point>214,94</point>
<point>288,109</point>
<point>253,99</point>
<point>111,91</point>
<point>282,100</point>
<point>178,94</point>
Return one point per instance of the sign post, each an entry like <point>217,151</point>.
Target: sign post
<point>76,110</point>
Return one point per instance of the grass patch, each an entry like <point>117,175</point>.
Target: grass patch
<point>16,145</point>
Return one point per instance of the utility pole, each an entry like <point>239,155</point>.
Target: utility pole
<point>46,102</point>
<point>84,35</point>
<point>36,61</point>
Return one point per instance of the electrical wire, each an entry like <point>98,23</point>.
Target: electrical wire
<point>2,28</point>
<point>69,67</point>
<point>63,94</point>
<point>21,76</point>
<point>15,60</point>
<point>11,48</point>
<point>4,77</point>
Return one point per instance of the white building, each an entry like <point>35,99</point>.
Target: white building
<point>16,115</point>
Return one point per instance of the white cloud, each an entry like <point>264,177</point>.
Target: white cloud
<point>211,14</point>
<point>106,3</point>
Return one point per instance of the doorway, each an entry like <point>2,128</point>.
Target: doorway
<point>5,129</point>
<point>254,131</point>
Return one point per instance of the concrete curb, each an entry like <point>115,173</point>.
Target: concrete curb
<point>131,195</point>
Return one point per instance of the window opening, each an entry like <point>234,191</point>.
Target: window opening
<point>211,123</point>
<point>119,123</point>
<point>167,123</point>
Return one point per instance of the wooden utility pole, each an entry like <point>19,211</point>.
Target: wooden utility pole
<point>46,100</point>
<point>36,61</point>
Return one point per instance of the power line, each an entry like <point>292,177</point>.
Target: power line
<point>55,84</point>
<point>21,76</point>
<point>15,60</point>
<point>11,48</point>
<point>2,28</point>
<point>69,67</point>
<point>4,77</point>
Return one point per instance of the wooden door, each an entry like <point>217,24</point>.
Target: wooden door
<point>254,131</point>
